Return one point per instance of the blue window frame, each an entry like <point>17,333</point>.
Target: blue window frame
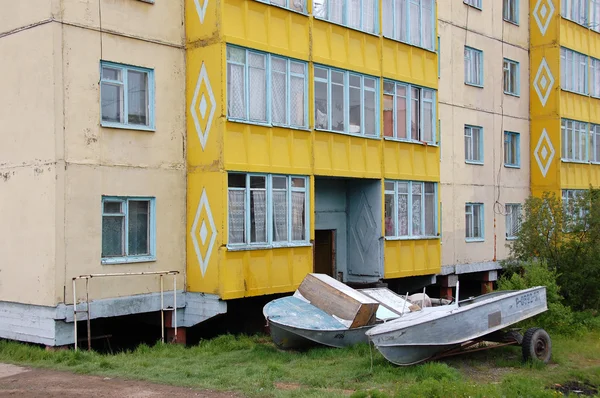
<point>266,89</point>
<point>411,209</point>
<point>510,11</point>
<point>474,222</point>
<point>512,149</point>
<point>128,229</point>
<point>576,11</point>
<point>513,220</point>
<point>357,14</point>
<point>126,96</point>
<point>410,21</point>
<point>473,144</point>
<point>573,71</point>
<point>473,67</point>
<point>267,210</point>
<point>439,53</point>
<point>473,3</point>
<point>294,5</point>
<point>346,102</point>
<point>409,112</point>
<point>511,81</point>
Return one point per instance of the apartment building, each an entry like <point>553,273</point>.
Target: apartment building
<point>484,117</point>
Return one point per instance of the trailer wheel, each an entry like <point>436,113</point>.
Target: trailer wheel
<point>536,344</point>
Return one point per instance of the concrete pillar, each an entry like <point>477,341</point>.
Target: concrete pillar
<point>447,282</point>
<point>487,287</point>
<point>170,331</point>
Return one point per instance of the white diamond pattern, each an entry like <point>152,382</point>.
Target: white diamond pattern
<point>206,121</point>
<point>543,146</point>
<point>542,87</point>
<point>543,13</point>
<point>203,258</point>
<point>201,9</point>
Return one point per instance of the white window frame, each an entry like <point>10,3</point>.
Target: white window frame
<point>346,88</point>
<point>268,76</point>
<point>510,77</point>
<point>270,242</point>
<point>513,216</point>
<point>292,5</point>
<point>469,210</point>
<point>470,130</point>
<point>474,3</point>
<point>124,85</point>
<point>322,10</point>
<point>124,202</point>
<point>473,67</point>
<point>510,136</point>
<point>409,104</point>
<point>569,195</point>
<point>595,15</point>
<point>572,65</point>
<point>575,11</point>
<point>595,77</point>
<point>594,143</point>
<point>510,11</point>
<point>573,134</point>
<point>410,235</point>
<point>401,30</point>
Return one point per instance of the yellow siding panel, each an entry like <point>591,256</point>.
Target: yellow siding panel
<point>207,29</point>
<point>552,57</point>
<point>256,148</point>
<point>551,142</point>
<point>594,109</point>
<point>574,36</point>
<point>263,27</point>
<point>579,175</point>
<point>404,161</point>
<point>574,106</point>
<point>404,258</point>
<point>346,48</point>
<point>594,49</point>
<point>347,156</point>
<point>409,64</point>
<point>258,272</point>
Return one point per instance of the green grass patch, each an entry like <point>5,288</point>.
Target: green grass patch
<point>252,366</point>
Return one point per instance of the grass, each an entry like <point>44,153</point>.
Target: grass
<point>252,366</point>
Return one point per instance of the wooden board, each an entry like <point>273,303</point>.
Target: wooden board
<point>353,308</point>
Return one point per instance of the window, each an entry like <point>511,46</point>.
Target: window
<point>510,11</point>
<point>410,209</point>
<point>474,144</point>
<point>474,221</point>
<point>573,71</point>
<point>128,230</point>
<point>266,89</point>
<point>575,10</point>
<point>595,143</point>
<point>267,209</point>
<point>511,77</point>
<point>513,220</point>
<point>295,5</point>
<point>595,77</point>
<point>570,198</point>
<point>346,102</point>
<point>410,21</point>
<point>473,3</point>
<point>595,15</point>
<point>408,112</point>
<point>574,140</point>
<point>473,67</point>
<point>126,96</point>
<point>512,150</point>
<point>358,14</point>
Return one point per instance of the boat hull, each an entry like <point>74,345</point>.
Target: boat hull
<point>287,337</point>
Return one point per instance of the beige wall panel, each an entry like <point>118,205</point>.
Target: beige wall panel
<point>27,235</point>
<point>517,106</point>
<point>86,141</point>
<point>26,105</point>
<point>85,186</point>
<point>485,21</point>
<point>161,21</point>
<point>15,14</point>
<point>449,213</point>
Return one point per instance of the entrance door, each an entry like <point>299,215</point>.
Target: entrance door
<point>325,252</point>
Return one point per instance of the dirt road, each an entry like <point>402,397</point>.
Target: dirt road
<point>28,383</point>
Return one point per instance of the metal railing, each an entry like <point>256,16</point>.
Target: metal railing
<point>162,302</point>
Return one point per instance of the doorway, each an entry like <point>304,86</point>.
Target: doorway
<point>325,252</point>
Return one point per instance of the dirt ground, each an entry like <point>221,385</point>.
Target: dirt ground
<point>27,383</point>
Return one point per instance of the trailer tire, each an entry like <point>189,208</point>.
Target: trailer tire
<point>536,345</point>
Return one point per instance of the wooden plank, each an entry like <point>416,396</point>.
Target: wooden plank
<point>353,308</point>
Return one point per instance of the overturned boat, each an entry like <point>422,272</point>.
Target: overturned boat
<point>421,335</point>
<point>327,312</point>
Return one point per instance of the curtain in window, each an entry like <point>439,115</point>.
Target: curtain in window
<point>417,212</point>
<point>278,2</point>
<point>298,212</point>
<point>468,221</point>
<point>112,102</point>
<point>337,101</point>
<point>415,22</point>
<point>258,87</point>
<point>369,105</point>
<point>428,116</point>
<point>320,8</point>
<point>430,209</point>
<point>258,216</point>
<point>354,12</point>
<point>336,11</point>
<point>297,100</point>
<point>137,92</point>
<point>278,90</point>
<point>280,216</point>
<point>512,220</point>
<point>236,216</point>
<point>389,213</point>
<point>401,22</point>
<point>138,232</point>
<point>415,117</point>
<point>476,134</point>
<point>113,231</point>
<point>476,221</point>
<point>236,100</point>
<point>403,209</point>
<point>388,114</point>
<point>388,18</point>
<point>401,111</point>
<point>369,15</point>
<point>428,24</point>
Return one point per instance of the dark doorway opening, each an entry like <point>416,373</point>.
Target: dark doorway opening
<point>325,252</point>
